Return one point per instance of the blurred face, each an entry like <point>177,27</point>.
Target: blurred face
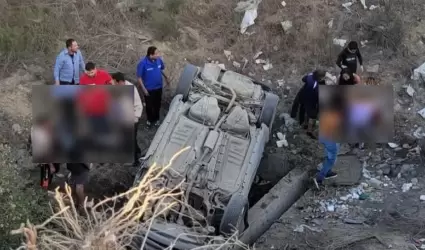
<point>155,55</point>
<point>74,47</point>
<point>91,73</point>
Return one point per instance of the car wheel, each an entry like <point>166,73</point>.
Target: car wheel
<point>268,112</point>
<point>185,82</point>
<point>234,215</point>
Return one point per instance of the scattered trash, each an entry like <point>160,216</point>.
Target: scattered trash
<point>222,66</point>
<point>280,136</point>
<point>410,91</point>
<point>259,53</point>
<point>340,42</point>
<point>372,7</point>
<point>286,25</point>
<point>422,197</point>
<point>347,5</point>
<point>300,228</point>
<point>330,79</point>
<point>363,43</point>
<point>260,61</point>
<point>250,8</point>
<point>331,23</point>
<point>422,112</point>
<point>406,187</point>
<point>280,83</point>
<point>267,66</point>
<point>419,134</point>
<point>419,73</point>
<point>282,142</point>
<point>228,55</point>
<point>392,145</point>
<point>16,128</point>
<point>363,2</point>
<point>283,3</point>
<point>236,64</point>
<point>330,208</point>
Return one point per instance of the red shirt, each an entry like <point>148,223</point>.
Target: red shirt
<point>102,77</point>
<point>94,100</point>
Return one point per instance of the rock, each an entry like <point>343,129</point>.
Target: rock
<point>289,121</point>
<point>410,91</point>
<point>406,187</point>
<point>406,168</point>
<point>422,197</point>
<point>373,69</point>
<point>236,64</point>
<point>354,221</point>
<point>286,25</point>
<point>372,7</point>
<point>228,54</point>
<point>386,170</point>
<point>393,145</point>
<point>283,3</point>
<point>375,183</point>
<point>380,172</point>
<point>267,66</point>
<point>16,128</point>
<point>414,181</point>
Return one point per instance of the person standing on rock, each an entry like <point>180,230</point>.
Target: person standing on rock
<point>119,79</point>
<point>149,76</point>
<point>348,57</point>
<point>330,123</point>
<point>69,64</point>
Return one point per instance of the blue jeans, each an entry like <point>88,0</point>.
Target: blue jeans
<point>331,152</point>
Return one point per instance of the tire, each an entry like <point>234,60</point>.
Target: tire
<point>268,112</point>
<point>234,214</point>
<point>185,82</point>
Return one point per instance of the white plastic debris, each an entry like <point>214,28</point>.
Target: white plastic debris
<point>406,187</point>
<point>419,134</point>
<point>419,73</point>
<point>340,42</point>
<point>363,2</point>
<point>347,5</point>
<point>392,145</point>
<point>364,42</point>
<point>250,8</point>
<point>283,3</point>
<point>330,208</point>
<point>372,7</point>
<point>422,197</point>
<point>375,183</point>
<point>280,83</point>
<point>330,79</point>
<point>260,61</point>
<point>259,53</point>
<point>267,66</point>
<point>228,55</point>
<point>280,136</point>
<point>286,25</point>
<point>300,228</point>
<point>282,143</point>
<point>331,23</point>
<point>410,91</point>
<point>422,112</point>
<point>236,64</point>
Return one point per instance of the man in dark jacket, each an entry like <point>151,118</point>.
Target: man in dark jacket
<point>348,57</point>
<point>308,99</point>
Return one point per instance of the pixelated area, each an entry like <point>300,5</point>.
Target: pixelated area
<point>356,114</point>
<point>74,124</point>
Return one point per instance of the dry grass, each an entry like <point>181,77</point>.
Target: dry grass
<point>105,227</point>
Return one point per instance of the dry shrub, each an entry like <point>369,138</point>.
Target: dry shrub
<point>385,28</point>
<point>105,227</point>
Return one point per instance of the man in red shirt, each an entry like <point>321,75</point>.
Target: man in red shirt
<point>94,76</point>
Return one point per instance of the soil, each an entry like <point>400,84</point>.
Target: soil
<point>396,46</point>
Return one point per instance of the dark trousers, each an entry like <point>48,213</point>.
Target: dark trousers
<point>298,108</point>
<point>153,105</point>
<point>137,150</point>
<point>67,83</point>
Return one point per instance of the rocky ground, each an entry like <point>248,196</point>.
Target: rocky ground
<point>383,196</point>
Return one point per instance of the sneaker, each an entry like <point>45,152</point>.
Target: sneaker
<point>331,175</point>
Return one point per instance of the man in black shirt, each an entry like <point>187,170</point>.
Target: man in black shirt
<point>348,57</point>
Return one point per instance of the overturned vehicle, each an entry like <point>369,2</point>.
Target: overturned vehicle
<point>225,118</point>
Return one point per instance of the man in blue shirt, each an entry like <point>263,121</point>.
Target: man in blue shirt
<point>69,64</point>
<point>149,76</point>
